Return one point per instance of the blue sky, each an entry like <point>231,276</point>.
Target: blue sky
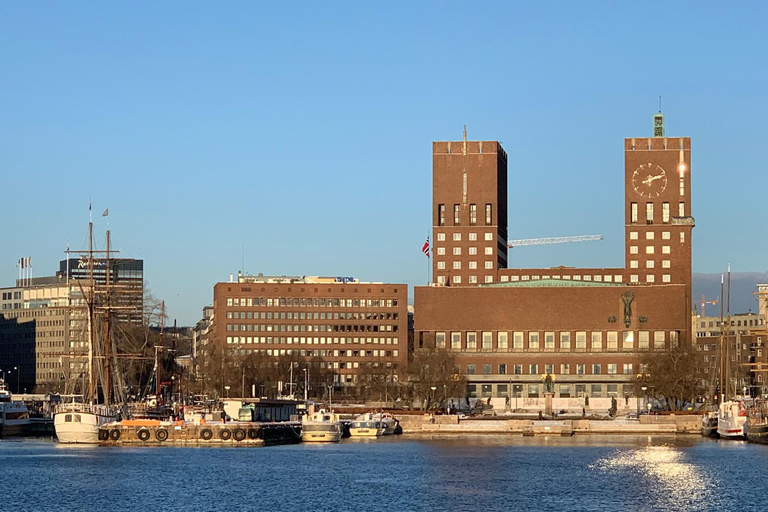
<point>302,133</point>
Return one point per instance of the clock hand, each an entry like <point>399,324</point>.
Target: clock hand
<point>651,179</point>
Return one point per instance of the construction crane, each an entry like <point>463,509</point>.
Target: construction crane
<point>704,303</point>
<point>553,240</point>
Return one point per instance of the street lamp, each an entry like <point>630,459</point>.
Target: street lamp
<point>645,395</point>
<point>18,374</point>
<point>433,388</point>
<point>306,383</point>
<point>227,390</point>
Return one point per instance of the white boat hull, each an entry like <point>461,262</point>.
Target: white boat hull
<point>365,432</point>
<point>731,420</point>
<point>73,426</point>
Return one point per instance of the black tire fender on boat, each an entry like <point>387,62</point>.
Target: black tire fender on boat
<point>103,434</point>
<point>238,434</point>
<point>253,433</point>
<point>161,434</point>
<point>206,434</point>
<point>143,434</point>
<point>115,434</point>
<point>225,434</point>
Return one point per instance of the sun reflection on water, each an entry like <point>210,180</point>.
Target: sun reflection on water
<point>673,482</point>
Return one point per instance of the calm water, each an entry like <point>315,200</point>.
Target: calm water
<point>391,474</point>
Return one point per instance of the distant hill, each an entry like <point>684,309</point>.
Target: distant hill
<point>743,284</point>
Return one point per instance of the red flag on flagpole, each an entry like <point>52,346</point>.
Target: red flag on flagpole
<point>425,249</point>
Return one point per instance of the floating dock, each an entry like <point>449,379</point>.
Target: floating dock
<point>183,433</point>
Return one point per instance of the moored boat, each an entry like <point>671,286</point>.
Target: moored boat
<point>367,425</point>
<point>757,423</point>
<point>709,424</point>
<point>321,427</point>
<point>731,418</point>
<point>79,423</point>
<point>14,416</point>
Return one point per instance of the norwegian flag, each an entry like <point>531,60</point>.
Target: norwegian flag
<point>425,249</point>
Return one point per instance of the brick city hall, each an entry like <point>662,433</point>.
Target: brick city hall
<point>586,327</point>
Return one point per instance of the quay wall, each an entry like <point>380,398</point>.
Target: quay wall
<point>451,424</point>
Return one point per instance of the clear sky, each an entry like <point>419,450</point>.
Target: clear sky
<point>300,134</point>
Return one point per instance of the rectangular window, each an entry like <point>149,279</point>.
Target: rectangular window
<point>565,341</point>
<point>502,371</point>
<point>565,369</point>
<point>488,214</point>
<point>613,340</point>
<point>488,264</point>
<point>472,237</point>
<point>441,215</point>
<point>580,369</point>
<point>682,238</point>
<point>665,212</point>
<point>457,265</point>
<point>533,390</point>
<point>457,251</point>
<point>518,369</point>
<point>440,238</point>
<point>440,339</point>
<point>502,343</point>
<point>596,369</point>
<point>486,368</point>
<point>650,235</point>
<point>533,369</point>
<point>581,340</point>
<point>643,339</point>
<point>457,237</point>
<point>471,341</point>
<point>565,391</point>
<point>533,341</point>
<point>517,340</point>
<point>681,210</point>
<point>649,264</point>
<point>658,340</point>
<point>471,369</point>
<point>649,213</point>
<point>489,250</point>
<point>472,279</point>
<point>549,340</point>
<point>633,264</point>
<point>488,237</point>
<point>440,252</point>
<point>472,251</point>
<point>628,338</point>
<point>487,340</point>
<point>455,341</point>
<point>633,218</point>
<point>456,215</point>
<point>682,187</point>
<point>597,341</point>
<point>440,265</point>
<point>633,235</point>
<point>632,249</point>
<point>596,390</point>
<point>627,368</point>
<point>472,214</point>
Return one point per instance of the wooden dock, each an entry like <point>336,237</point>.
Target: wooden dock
<point>181,433</point>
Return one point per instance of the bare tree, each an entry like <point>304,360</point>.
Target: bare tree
<point>669,376</point>
<point>435,368</point>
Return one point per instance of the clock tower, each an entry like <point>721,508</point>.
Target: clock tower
<point>658,219</point>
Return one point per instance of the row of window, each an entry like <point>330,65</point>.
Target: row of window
<point>316,302</point>
<point>312,328</point>
<point>649,212</point>
<point>534,390</point>
<point>565,369</point>
<point>315,353</point>
<point>457,214</point>
<point>650,264</point>
<point>472,251</point>
<point>457,279</point>
<point>289,340</point>
<point>460,340</point>
<point>472,237</point>
<point>296,315</point>
<point>472,265</point>
<point>650,278</point>
<point>735,323</point>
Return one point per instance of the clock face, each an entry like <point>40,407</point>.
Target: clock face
<point>649,180</point>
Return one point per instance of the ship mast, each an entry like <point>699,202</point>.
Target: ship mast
<point>107,337</point>
<point>91,390</point>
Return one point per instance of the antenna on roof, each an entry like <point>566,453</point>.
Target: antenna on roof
<point>659,104</point>
<point>465,133</point>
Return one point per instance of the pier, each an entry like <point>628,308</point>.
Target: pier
<point>181,433</point>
